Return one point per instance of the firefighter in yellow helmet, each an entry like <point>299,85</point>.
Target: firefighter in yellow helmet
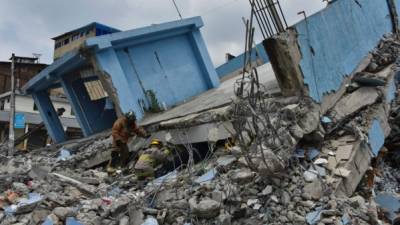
<point>150,159</point>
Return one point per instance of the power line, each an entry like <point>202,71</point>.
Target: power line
<point>177,9</point>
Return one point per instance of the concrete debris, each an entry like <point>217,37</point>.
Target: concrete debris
<point>354,102</point>
<point>289,166</point>
<point>206,208</point>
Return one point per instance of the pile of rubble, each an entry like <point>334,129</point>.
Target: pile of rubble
<point>331,170</point>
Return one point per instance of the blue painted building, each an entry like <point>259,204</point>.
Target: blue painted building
<point>235,65</point>
<point>336,39</point>
<point>163,65</point>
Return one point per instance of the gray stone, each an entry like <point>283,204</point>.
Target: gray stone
<point>206,208</point>
<point>285,198</point>
<point>358,202</point>
<point>314,189</point>
<point>242,176</point>
<point>308,203</point>
<point>274,199</point>
<point>226,160</point>
<point>310,175</point>
<point>267,190</point>
<point>124,220</point>
<point>20,188</point>
<point>218,196</point>
<point>63,212</point>
<point>224,219</point>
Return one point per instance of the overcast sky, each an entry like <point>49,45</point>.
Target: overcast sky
<point>26,26</point>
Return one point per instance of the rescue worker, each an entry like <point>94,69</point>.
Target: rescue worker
<point>151,159</point>
<point>124,128</point>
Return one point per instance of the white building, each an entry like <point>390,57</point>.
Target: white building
<point>25,105</point>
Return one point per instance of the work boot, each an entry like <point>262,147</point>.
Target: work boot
<point>114,162</point>
<point>124,152</point>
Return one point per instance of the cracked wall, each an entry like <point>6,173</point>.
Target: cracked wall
<point>331,44</point>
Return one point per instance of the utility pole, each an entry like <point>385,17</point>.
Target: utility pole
<point>11,136</point>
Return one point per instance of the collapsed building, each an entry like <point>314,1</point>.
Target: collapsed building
<point>304,139</point>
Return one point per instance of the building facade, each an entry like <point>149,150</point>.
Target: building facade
<point>26,109</point>
<point>72,40</point>
<point>25,69</point>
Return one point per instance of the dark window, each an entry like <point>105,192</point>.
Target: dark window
<point>72,112</point>
<point>8,100</point>
<point>75,37</point>
<point>66,41</point>
<point>35,107</point>
<point>2,105</point>
<point>58,44</point>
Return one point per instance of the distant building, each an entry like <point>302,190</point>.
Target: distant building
<point>73,39</point>
<point>26,108</point>
<point>25,69</point>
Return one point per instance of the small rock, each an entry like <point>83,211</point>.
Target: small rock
<point>224,219</point>
<point>124,220</point>
<point>242,176</point>
<point>251,202</point>
<point>63,212</point>
<point>268,190</point>
<point>285,198</point>
<point>274,199</point>
<point>308,203</point>
<point>257,206</point>
<point>314,189</point>
<point>310,175</point>
<point>206,208</point>
<point>321,161</point>
<point>20,188</point>
<point>342,172</point>
<point>358,202</point>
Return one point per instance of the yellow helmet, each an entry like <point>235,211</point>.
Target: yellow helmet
<point>155,141</point>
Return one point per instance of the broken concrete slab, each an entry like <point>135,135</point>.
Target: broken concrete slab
<point>355,101</point>
<point>343,152</point>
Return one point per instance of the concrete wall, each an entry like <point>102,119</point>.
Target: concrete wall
<point>333,42</point>
<point>167,67</point>
<point>234,66</point>
<point>170,60</point>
